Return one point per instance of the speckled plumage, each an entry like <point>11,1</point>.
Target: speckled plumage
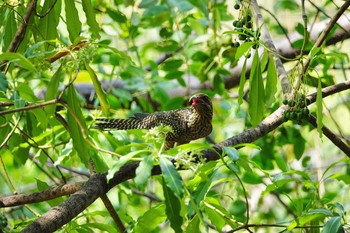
<point>188,123</point>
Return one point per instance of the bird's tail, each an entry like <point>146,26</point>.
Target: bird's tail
<point>121,124</point>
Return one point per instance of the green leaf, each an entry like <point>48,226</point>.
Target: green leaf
<point>122,161</point>
<point>171,176</point>
<point>242,80</point>
<point>19,59</point>
<point>103,227</point>
<point>231,152</point>
<point>99,91</point>
<point>308,217</point>
<point>193,225</point>
<point>217,214</point>
<point>342,177</point>
<point>147,3</point>
<point>243,48</point>
<point>75,131</point>
<point>116,15</point>
<point>26,93</point>
<point>285,5</point>
<point>332,225</point>
<point>319,107</point>
<point>143,171</point>
<point>251,178</point>
<point>214,215</point>
<point>173,207</point>
<point>10,28</point>
<point>172,64</point>
<point>271,82</point>
<point>196,26</point>
<point>298,145</point>
<point>281,162</point>
<point>52,90</point>
<point>256,94</point>
<point>72,20</point>
<point>48,24</point>
<point>91,19</point>
<point>149,221</point>
<point>3,82</point>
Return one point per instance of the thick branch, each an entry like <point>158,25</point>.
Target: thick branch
<point>331,136</point>
<point>282,73</point>
<point>21,31</point>
<point>67,210</point>
<point>21,199</point>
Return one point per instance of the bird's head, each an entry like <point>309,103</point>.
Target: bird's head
<point>201,101</point>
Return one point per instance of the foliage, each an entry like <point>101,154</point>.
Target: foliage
<point>79,60</point>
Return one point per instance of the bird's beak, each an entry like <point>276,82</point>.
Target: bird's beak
<point>195,100</point>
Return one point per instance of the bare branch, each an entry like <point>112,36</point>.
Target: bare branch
<point>21,199</point>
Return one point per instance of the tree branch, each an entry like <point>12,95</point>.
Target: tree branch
<point>67,210</point>
<point>22,199</point>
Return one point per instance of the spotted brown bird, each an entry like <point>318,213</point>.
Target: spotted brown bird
<point>188,123</point>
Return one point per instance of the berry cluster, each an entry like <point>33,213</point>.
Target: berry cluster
<point>244,26</point>
<point>298,109</point>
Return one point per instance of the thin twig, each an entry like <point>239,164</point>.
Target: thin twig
<point>113,213</point>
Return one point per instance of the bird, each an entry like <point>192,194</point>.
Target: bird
<point>187,124</point>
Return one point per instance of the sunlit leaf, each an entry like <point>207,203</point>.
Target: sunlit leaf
<point>257,93</point>
<point>319,106</point>
<point>271,82</point>
<point>19,59</point>
<point>91,18</point>
<point>171,176</point>
<point>193,225</point>
<point>150,219</point>
<point>72,20</point>
<point>241,84</point>
<point>76,124</point>
<point>143,171</point>
<point>99,91</point>
<point>332,225</point>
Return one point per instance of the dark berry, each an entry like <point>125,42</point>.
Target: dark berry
<point>285,101</point>
<point>291,103</point>
<point>242,37</point>
<point>237,6</point>
<point>308,101</point>
<point>248,17</point>
<point>249,24</point>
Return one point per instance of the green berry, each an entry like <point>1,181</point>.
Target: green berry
<point>285,101</point>
<point>293,115</point>
<point>248,17</point>
<point>305,111</point>
<point>237,6</point>
<point>300,116</point>
<point>291,103</point>
<point>242,37</point>
<point>249,24</point>
<point>236,44</point>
